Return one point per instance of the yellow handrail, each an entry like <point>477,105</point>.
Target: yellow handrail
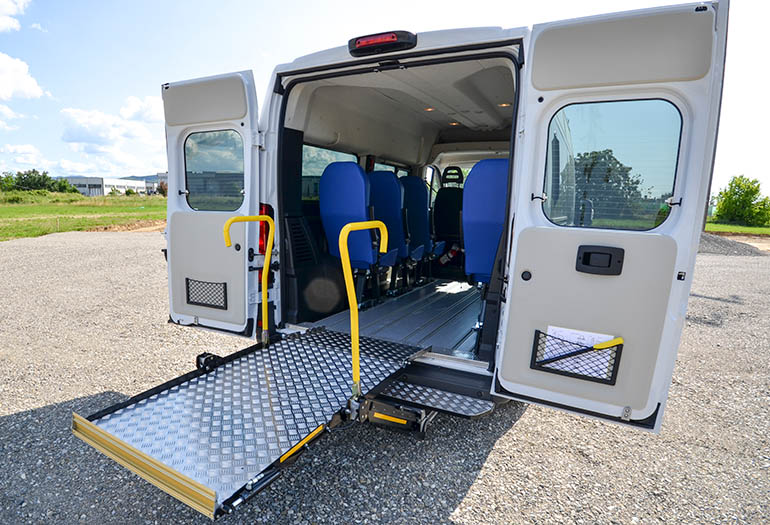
<point>266,266</point>
<point>352,301</point>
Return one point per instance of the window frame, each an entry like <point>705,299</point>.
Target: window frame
<point>184,162</point>
<point>675,178</point>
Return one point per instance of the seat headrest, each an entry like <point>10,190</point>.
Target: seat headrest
<point>452,174</point>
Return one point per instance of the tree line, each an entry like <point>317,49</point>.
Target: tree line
<point>34,180</point>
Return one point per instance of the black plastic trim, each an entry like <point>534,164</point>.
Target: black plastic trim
<point>647,423</point>
<point>280,89</point>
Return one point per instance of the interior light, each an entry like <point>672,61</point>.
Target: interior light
<point>504,104</point>
<point>430,109</point>
<point>454,123</point>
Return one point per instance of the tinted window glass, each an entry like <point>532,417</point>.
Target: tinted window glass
<point>612,164</point>
<point>314,161</point>
<point>214,170</point>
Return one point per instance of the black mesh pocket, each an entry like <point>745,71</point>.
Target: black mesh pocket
<point>559,356</point>
<point>204,293</point>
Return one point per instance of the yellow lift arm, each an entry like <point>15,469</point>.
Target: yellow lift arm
<point>352,300</point>
<point>266,267</point>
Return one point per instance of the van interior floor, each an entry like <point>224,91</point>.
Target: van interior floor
<point>440,314</point>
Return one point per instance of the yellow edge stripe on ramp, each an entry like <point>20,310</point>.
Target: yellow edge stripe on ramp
<point>186,490</point>
<point>299,445</point>
<point>390,418</point>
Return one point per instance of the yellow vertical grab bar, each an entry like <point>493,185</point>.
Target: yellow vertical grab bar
<point>265,268</point>
<point>352,300</point>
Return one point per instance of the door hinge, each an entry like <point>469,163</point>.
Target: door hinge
<point>626,415</point>
<point>258,139</point>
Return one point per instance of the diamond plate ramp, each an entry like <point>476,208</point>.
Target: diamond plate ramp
<point>437,399</point>
<point>202,439</point>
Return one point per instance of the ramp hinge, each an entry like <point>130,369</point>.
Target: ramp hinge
<point>258,139</point>
<point>626,415</point>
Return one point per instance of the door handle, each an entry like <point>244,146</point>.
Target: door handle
<point>599,260</point>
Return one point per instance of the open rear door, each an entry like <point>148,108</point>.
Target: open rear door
<point>211,135</point>
<point>613,170</point>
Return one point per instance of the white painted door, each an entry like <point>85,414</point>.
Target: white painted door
<point>211,135</point>
<point>613,167</point>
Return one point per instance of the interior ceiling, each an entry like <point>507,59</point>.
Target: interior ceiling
<point>423,103</point>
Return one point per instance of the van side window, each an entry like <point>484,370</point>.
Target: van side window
<point>214,170</point>
<point>400,172</point>
<point>314,161</point>
<point>612,164</point>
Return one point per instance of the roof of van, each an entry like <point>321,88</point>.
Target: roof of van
<point>425,41</point>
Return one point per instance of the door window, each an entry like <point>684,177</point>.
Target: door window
<point>612,164</point>
<point>214,170</point>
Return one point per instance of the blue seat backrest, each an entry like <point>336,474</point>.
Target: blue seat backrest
<point>344,198</point>
<point>417,205</point>
<point>387,197</point>
<point>484,197</point>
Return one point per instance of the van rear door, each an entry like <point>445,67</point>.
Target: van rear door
<point>613,169</point>
<point>211,138</point>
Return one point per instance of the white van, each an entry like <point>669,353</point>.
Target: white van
<point>519,211</point>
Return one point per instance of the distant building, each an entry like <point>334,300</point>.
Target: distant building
<point>153,181</point>
<point>97,186</point>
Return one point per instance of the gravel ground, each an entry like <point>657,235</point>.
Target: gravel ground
<point>82,327</point>
<point>718,244</point>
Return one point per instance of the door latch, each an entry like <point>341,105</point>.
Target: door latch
<point>600,260</point>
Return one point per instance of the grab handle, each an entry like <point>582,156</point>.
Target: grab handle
<point>350,287</point>
<point>265,268</point>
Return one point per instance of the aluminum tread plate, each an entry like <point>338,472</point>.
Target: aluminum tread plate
<point>223,428</point>
<point>438,399</point>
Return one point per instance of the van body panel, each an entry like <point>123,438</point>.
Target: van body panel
<point>213,161</point>
<point>548,292</point>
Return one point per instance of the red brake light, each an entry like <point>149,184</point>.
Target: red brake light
<point>264,209</point>
<point>375,39</point>
<point>381,43</point>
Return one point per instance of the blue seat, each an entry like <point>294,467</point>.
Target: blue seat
<point>417,206</point>
<point>484,197</point>
<point>344,198</point>
<point>387,199</point>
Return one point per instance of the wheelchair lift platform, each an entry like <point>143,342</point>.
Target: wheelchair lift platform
<point>217,436</point>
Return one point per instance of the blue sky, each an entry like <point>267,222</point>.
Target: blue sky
<point>80,80</point>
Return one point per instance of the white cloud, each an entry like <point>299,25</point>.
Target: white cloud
<point>15,80</point>
<point>70,167</point>
<point>83,126</point>
<point>9,10</point>
<point>26,154</point>
<point>7,113</point>
<point>38,27</point>
<point>149,109</point>
<point>111,145</point>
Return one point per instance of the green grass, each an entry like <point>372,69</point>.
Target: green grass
<point>35,213</point>
<point>737,228</point>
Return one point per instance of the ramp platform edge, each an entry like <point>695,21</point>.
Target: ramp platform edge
<point>186,490</point>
